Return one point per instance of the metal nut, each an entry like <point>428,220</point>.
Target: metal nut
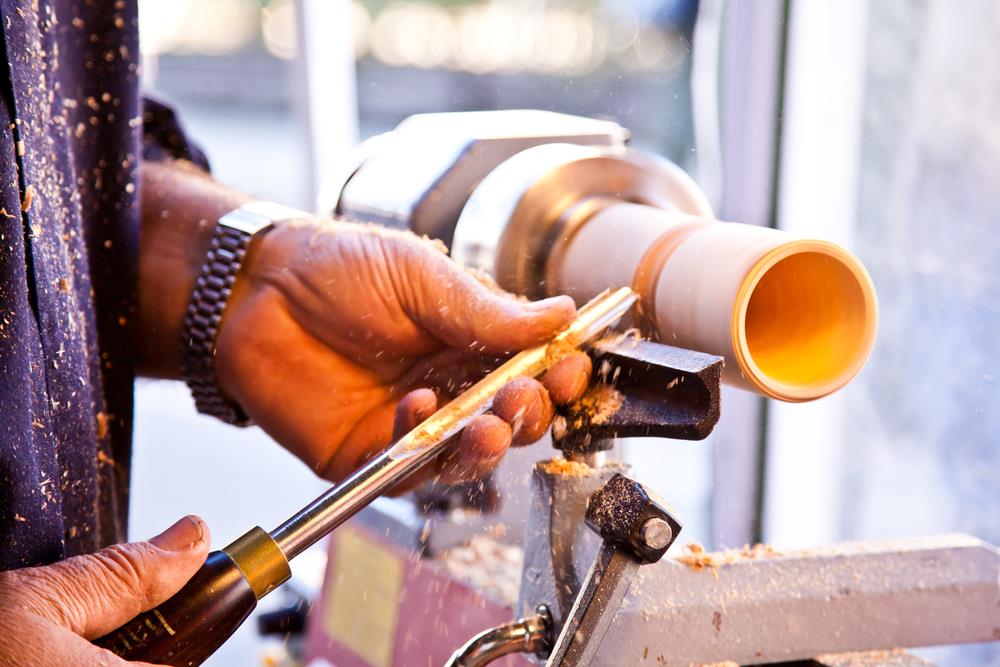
<point>656,533</point>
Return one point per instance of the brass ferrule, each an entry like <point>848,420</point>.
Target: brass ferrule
<point>260,560</point>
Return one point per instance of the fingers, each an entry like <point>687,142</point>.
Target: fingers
<point>94,594</point>
<point>522,413</point>
<point>501,324</point>
<point>448,372</point>
<point>100,657</point>
<point>479,449</point>
<point>414,408</point>
<point>487,279</point>
<point>39,642</point>
<point>525,405</point>
<point>372,435</point>
<point>465,313</point>
<point>568,379</point>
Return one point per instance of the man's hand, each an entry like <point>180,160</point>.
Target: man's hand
<point>340,338</point>
<point>49,614</point>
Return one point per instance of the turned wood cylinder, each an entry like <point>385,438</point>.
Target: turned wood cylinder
<point>794,318</point>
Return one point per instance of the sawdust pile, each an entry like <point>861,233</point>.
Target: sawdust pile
<point>600,403</point>
<point>597,405</point>
<point>696,558</point>
<point>559,348</point>
<point>565,468</point>
<point>486,565</point>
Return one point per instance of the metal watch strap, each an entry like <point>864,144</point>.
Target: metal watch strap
<point>213,287</point>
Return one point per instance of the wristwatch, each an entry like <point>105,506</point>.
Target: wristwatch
<point>230,241</point>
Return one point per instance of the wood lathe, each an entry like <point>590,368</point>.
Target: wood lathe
<point>547,204</point>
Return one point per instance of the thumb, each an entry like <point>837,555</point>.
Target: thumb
<point>465,313</point>
<point>94,594</point>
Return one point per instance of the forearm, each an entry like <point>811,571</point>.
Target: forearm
<point>179,209</point>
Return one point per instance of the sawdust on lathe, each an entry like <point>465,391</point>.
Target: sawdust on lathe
<point>488,565</point>
<point>696,558</point>
<point>602,402</point>
<point>895,657</point>
<point>596,407</point>
<point>559,348</point>
<point>565,468</point>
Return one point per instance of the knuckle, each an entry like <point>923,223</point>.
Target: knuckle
<point>486,436</point>
<point>490,426</point>
<point>119,571</point>
<point>525,404</point>
<point>541,393</point>
<point>512,397</point>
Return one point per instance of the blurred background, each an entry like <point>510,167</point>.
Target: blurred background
<point>870,124</point>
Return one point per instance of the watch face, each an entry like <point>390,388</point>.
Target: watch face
<point>259,215</point>
<point>245,222</point>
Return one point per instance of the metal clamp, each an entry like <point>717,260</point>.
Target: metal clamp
<point>637,529</point>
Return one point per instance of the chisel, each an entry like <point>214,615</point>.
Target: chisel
<point>186,629</point>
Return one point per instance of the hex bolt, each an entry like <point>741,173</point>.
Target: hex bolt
<point>656,533</point>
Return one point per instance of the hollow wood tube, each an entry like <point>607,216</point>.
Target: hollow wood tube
<point>794,318</point>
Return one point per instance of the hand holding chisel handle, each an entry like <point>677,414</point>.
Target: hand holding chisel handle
<point>190,626</point>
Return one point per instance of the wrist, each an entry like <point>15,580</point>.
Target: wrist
<point>234,240</point>
<point>179,211</point>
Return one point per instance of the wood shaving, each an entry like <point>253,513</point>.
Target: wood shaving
<point>102,425</point>
<point>598,405</point>
<point>604,401</point>
<point>558,349</point>
<point>29,195</point>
